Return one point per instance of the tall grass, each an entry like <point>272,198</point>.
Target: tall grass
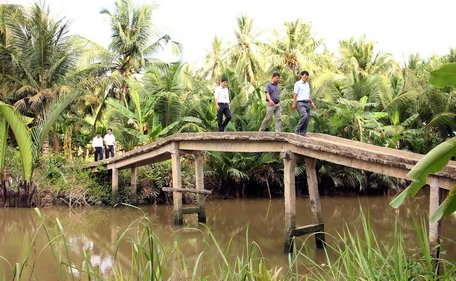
<point>361,256</point>
<point>356,256</point>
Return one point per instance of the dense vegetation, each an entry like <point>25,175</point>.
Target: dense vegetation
<point>56,90</point>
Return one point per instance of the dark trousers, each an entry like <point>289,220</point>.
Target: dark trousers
<point>109,150</point>
<point>98,153</point>
<point>304,110</point>
<point>224,109</point>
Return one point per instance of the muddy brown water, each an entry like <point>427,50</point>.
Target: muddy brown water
<point>95,230</point>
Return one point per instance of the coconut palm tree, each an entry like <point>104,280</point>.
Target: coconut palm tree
<point>243,56</point>
<point>297,43</point>
<point>41,57</point>
<point>133,47</point>
<point>214,61</point>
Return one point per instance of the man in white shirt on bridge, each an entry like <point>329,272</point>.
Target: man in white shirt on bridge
<point>222,104</point>
<point>109,141</point>
<point>302,101</point>
<point>97,144</point>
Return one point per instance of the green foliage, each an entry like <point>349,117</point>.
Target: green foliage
<point>71,185</point>
<point>23,138</point>
<point>3,144</point>
<point>444,76</point>
<point>437,158</point>
<point>432,162</point>
<point>362,256</point>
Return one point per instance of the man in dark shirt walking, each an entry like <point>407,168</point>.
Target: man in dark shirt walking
<point>272,92</point>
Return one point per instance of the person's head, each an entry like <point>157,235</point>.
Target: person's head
<point>304,75</point>
<point>223,82</point>
<point>275,78</point>
<point>98,134</point>
<point>109,131</point>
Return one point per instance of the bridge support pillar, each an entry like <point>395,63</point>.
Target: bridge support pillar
<point>199,177</point>
<point>114,186</point>
<point>314,198</point>
<point>435,198</point>
<point>177,183</point>
<point>289,165</point>
<point>133,186</point>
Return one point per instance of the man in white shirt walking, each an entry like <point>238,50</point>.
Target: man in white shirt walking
<point>222,104</point>
<point>97,144</point>
<point>302,101</point>
<point>109,141</point>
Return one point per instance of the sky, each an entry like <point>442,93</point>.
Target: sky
<point>398,27</point>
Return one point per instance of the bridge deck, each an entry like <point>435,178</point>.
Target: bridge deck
<point>383,160</point>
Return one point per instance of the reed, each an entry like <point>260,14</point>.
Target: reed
<point>356,256</point>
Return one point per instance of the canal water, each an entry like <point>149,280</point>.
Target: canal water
<point>95,231</point>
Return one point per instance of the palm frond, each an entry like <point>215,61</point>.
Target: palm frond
<point>3,143</point>
<point>22,136</point>
<point>47,119</point>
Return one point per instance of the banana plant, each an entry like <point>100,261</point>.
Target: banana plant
<point>30,141</point>
<point>437,158</point>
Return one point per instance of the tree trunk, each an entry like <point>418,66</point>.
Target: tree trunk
<point>56,143</point>
<point>67,143</point>
<point>45,148</point>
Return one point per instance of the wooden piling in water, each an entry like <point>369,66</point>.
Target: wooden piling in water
<point>314,197</point>
<point>177,183</point>
<point>435,198</point>
<point>199,178</point>
<point>289,165</point>
<point>133,186</point>
<point>114,186</point>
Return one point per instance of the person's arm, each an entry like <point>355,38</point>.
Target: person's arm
<point>312,103</point>
<point>268,96</point>
<point>310,98</point>
<point>295,91</point>
<point>217,107</point>
<point>293,105</point>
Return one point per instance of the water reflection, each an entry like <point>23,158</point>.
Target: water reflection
<point>95,231</point>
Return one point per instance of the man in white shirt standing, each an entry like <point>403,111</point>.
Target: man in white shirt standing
<point>97,144</point>
<point>302,101</point>
<point>222,104</point>
<point>109,141</point>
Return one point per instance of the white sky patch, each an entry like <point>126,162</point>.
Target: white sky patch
<point>399,27</point>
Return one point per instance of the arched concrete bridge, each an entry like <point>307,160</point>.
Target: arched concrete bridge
<point>382,160</point>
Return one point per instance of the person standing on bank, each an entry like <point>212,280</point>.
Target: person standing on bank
<point>109,141</point>
<point>97,144</point>
<point>272,92</point>
<point>302,100</point>
<point>222,104</point>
